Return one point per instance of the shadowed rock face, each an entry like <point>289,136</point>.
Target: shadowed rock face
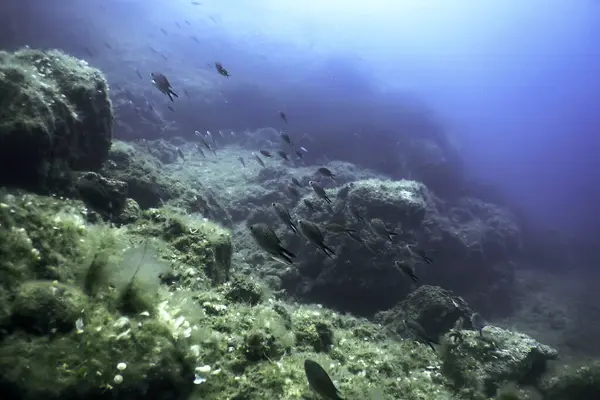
<point>56,117</point>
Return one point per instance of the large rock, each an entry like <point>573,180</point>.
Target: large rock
<point>496,357</point>
<point>581,382</point>
<point>468,240</point>
<point>56,117</point>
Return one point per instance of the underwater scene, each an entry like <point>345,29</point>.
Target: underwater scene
<point>299,200</point>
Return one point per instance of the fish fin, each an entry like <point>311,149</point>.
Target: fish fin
<point>170,97</point>
<point>330,253</point>
<point>282,258</point>
<point>414,277</point>
<point>294,228</point>
<point>427,259</point>
<point>286,252</point>
<point>430,343</point>
<point>173,93</point>
<point>327,199</point>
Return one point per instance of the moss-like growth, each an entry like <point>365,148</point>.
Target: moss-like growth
<point>577,381</point>
<point>47,307</point>
<point>243,289</point>
<point>314,333</point>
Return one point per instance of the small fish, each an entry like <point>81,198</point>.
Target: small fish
<point>286,138</point>
<point>314,235</point>
<point>326,172</point>
<point>162,84</point>
<point>137,71</point>
<point>267,240</point>
<point>304,149</point>
<point>478,322</point>
<point>221,135</point>
<point>283,116</point>
<point>242,161</point>
<point>180,153</point>
<point>221,70</point>
<point>309,205</point>
<point>283,155</point>
<point>319,191</point>
<point>108,46</point>
<point>197,133</point>
<point>187,94</point>
<point>200,150</point>
<point>407,270</point>
<point>260,161</point>
<point>338,228</point>
<point>421,253</point>
<point>294,191</point>
<point>378,227</point>
<point>356,237</point>
<point>296,182</point>
<point>284,216</point>
<point>212,138</point>
<point>319,381</point>
<point>171,108</point>
<point>208,146</point>
<point>164,31</point>
<point>354,211</point>
<point>266,153</point>
<point>420,333</point>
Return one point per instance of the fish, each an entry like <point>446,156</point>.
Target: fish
<point>356,237</point>
<point>299,154</point>
<point>407,270</point>
<point>171,108</point>
<point>378,227</point>
<point>266,153</point>
<point>200,150</point>
<point>294,191</point>
<point>162,84</point>
<point>478,322</point>
<point>221,135</point>
<point>419,332</point>
<point>137,71</point>
<point>208,146</point>
<point>355,213</point>
<point>326,172</point>
<point>260,161</point>
<point>283,155</point>
<point>304,149</point>
<point>421,253</point>
<point>267,240</point>
<point>212,138</point>
<point>284,216</point>
<point>221,70</point>
<point>197,133</point>
<point>242,161</point>
<point>319,381</point>
<point>286,138</point>
<point>180,153</point>
<point>338,228</point>
<point>314,235</point>
<point>309,205</point>
<point>283,116</point>
<point>319,191</point>
<point>296,182</point>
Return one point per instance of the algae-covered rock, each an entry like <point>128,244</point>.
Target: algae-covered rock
<point>205,245</point>
<point>244,290</point>
<point>104,195</point>
<point>46,307</point>
<point>485,362</point>
<point>577,381</point>
<point>56,117</point>
<point>434,308</point>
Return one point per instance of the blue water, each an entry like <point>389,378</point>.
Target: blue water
<point>516,83</point>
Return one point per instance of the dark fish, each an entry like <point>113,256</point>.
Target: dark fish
<point>162,84</point>
<point>283,155</point>
<point>267,240</point>
<point>195,39</point>
<point>420,333</point>
<point>242,161</point>
<point>354,211</point>
<point>180,153</point>
<point>378,227</point>
<point>208,146</point>
<point>407,270</point>
<point>296,182</point>
<point>171,108</point>
<point>284,216</point>
<point>137,71</point>
<point>221,70</point>
<point>108,46</point>
<point>309,205</point>
<point>260,161</point>
<point>315,236</point>
<point>294,191</point>
<point>356,237</point>
<point>286,138</point>
<point>326,172</point>
<point>421,253</point>
<point>187,94</point>
<point>319,381</point>
<point>266,153</point>
<point>283,116</point>
<point>88,51</point>
<point>478,322</point>
<point>163,31</point>
<point>338,228</point>
<point>319,191</point>
<point>200,150</point>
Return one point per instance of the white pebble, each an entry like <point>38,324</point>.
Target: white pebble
<point>118,379</point>
<point>121,366</point>
<point>205,369</point>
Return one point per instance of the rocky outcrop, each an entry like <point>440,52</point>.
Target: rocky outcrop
<point>56,117</point>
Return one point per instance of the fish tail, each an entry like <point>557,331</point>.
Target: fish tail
<point>330,253</point>
<point>294,228</point>
<point>173,93</point>
<point>414,277</point>
<point>170,97</point>
<point>427,260</point>
<point>327,199</point>
<point>287,253</point>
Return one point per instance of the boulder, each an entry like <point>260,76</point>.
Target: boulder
<point>56,117</point>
